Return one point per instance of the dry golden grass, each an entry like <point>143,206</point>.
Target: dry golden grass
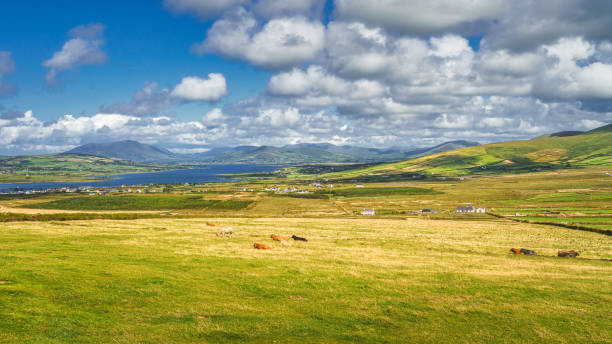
<point>355,280</point>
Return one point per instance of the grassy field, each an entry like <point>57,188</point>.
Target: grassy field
<point>356,280</point>
<point>117,268</point>
<point>140,203</point>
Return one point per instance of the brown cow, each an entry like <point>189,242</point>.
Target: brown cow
<point>262,246</point>
<point>210,224</point>
<point>567,253</point>
<point>516,251</point>
<point>278,237</point>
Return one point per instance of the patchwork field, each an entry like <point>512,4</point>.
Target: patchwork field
<point>355,280</point>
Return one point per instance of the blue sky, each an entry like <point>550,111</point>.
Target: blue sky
<point>194,74</point>
<point>143,44</point>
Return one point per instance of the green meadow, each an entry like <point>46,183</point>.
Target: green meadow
<point>146,268</point>
<point>104,202</point>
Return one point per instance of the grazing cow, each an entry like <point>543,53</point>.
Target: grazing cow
<point>567,253</point>
<point>516,251</point>
<point>225,231</point>
<point>210,224</point>
<point>286,243</point>
<point>278,237</point>
<point>262,246</point>
<point>528,252</point>
<point>297,238</point>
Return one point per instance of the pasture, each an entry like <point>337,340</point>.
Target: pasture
<point>129,268</point>
<point>355,280</point>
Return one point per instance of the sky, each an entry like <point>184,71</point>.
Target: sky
<point>189,75</point>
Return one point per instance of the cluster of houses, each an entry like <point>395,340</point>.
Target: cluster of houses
<point>460,209</point>
<point>470,209</point>
<point>291,189</point>
<point>321,186</point>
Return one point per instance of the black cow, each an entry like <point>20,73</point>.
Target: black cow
<point>297,238</point>
<point>526,251</point>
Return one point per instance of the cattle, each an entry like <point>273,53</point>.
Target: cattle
<point>210,224</point>
<point>567,253</point>
<point>225,231</point>
<point>262,246</point>
<point>522,251</point>
<point>286,243</point>
<point>297,238</point>
<point>278,237</point>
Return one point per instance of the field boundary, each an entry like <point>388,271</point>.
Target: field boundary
<point>563,225</point>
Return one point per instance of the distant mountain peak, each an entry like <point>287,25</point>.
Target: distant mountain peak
<point>126,150</point>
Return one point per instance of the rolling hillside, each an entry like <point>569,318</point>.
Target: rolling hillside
<point>593,148</point>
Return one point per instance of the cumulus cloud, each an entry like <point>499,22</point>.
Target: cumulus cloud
<point>214,117</point>
<point>420,17</point>
<point>279,43</point>
<point>193,88</point>
<point>6,66</point>
<point>83,48</point>
<point>153,100</point>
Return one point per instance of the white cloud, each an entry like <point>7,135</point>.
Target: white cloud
<point>193,88</point>
<point>277,118</point>
<point>84,48</point>
<point>450,46</point>
<point>214,117</point>
<point>280,43</point>
<point>7,65</point>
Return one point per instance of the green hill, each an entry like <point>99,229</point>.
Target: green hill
<point>593,148</point>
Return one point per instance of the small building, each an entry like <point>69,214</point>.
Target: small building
<point>481,210</point>
<point>428,210</point>
<point>368,212</point>
<point>467,209</point>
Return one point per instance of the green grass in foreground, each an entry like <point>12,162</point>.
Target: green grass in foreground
<point>356,280</point>
<point>140,203</point>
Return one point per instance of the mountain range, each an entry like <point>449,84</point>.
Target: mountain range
<point>290,154</point>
